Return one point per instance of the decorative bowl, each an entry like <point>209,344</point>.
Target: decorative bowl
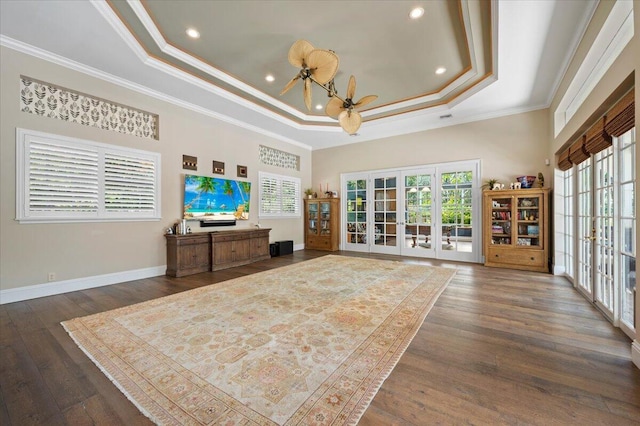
<point>526,181</point>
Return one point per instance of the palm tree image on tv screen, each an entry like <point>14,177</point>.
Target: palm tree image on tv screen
<point>208,198</point>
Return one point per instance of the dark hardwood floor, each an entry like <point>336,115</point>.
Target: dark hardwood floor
<point>498,347</point>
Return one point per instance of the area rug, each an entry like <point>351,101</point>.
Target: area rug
<point>305,344</point>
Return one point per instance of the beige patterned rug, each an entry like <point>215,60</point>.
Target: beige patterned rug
<point>305,344</point>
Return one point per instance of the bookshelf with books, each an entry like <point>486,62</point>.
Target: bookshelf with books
<point>322,223</point>
<point>516,229</point>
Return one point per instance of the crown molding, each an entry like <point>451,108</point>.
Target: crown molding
<point>93,72</point>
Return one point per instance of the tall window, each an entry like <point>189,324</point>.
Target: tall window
<point>61,179</point>
<point>627,190</point>
<point>569,222</point>
<point>279,196</point>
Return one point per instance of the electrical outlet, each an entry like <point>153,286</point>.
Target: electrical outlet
<point>52,276</point>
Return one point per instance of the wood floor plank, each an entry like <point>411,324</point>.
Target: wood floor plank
<point>499,347</point>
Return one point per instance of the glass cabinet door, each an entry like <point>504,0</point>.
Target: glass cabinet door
<point>325,218</point>
<point>528,221</point>
<point>501,221</point>
<point>312,218</point>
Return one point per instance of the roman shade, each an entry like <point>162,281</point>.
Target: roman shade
<point>564,163</point>
<point>621,118</point>
<point>577,151</point>
<point>616,122</point>
<point>596,138</point>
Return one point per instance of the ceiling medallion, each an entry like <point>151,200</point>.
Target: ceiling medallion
<point>320,66</point>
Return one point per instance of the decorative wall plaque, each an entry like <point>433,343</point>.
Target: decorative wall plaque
<point>189,162</point>
<point>218,167</point>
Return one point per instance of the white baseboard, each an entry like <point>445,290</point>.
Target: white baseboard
<point>49,289</point>
<point>635,352</point>
<point>298,247</point>
<point>558,270</point>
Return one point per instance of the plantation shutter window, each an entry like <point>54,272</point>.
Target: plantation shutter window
<point>129,184</point>
<point>61,179</point>
<point>279,196</point>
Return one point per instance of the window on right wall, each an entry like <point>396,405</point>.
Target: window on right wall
<point>279,196</point>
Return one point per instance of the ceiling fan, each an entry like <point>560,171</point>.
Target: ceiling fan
<point>320,66</point>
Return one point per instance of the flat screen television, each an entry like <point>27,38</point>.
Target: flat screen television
<point>210,199</point>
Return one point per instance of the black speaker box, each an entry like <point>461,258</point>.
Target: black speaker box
<point>284,247</point>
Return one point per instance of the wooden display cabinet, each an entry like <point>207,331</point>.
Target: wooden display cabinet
<point>322,223</point>
<point>516,229</point>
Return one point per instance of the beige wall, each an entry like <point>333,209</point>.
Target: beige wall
<point>508,147</point>
<point>30,251</point>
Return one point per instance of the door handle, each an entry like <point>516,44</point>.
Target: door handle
<point>591,237</point>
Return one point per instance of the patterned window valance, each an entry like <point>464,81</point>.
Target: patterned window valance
<point>275,157</point>
<point>48,100</point>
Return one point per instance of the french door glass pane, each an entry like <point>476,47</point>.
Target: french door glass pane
<point>357,211</point>
<point>626,176</point>
<point>604,221</point>
<point>584,227</point>
<point>418,202</point>
<point>456,209</point>
<point>569,221</point>
<point>384,211</point>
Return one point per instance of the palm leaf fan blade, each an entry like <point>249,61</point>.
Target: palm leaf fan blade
<point>365,100</point>
<point>334,107</point>
<point>323,65</point>
<point>290,84</point>
<point>351,88</point>
<point>299,52</point>
<point>307,93</point>
<point>350,121</point>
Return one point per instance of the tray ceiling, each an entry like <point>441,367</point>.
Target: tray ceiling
<point>500,57</point>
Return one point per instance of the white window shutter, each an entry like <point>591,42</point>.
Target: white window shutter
<point>129,183</point>
<point>279,196</point>
<point>62,179</point>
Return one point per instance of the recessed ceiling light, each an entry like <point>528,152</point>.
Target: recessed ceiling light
<point>416,13</point>
<point>441,70</point>
<point>319,106</point>
<point>270,78</point>
<point>193,33</point>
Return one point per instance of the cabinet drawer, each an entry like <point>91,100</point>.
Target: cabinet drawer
<point>321,243</point>
<point>516,257</point>
<point>225,238</point>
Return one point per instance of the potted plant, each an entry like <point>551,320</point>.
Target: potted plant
<point>308,192</point>
<point>490,184</point>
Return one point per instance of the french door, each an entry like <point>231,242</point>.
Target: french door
<point>596,230</point>
<point>605,230</point>
<point>394,212</point>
